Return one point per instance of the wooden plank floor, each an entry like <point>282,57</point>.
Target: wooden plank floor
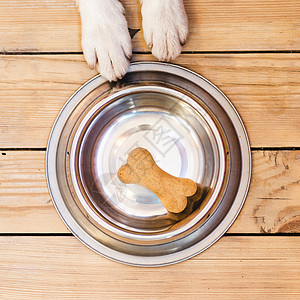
<point>251,50</point>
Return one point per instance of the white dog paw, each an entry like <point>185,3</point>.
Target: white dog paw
<point>106,42</point>
<point>165,26</point>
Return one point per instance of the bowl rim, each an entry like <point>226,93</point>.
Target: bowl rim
<point>167,259</point>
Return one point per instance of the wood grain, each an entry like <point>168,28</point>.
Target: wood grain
<point>235,268</point>
<point>264,88</point>
<point>25,203</point>
<point>54,25</point>
<point>272,204</point>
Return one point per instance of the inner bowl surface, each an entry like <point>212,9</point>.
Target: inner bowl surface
<point>183,140</point>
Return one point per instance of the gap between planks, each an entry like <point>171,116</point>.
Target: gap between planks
<point>226,234</point>
<point>252,149</point>
<point>241,52</point>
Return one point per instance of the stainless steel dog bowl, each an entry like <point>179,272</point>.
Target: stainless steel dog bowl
<point>192,131</point>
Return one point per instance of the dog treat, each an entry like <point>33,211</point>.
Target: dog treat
<point>172,191</point>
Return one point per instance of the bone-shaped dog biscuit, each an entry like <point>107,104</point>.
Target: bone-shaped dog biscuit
<point>172,191</point>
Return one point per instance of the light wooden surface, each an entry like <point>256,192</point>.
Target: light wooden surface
<point>236,268</point>
<point>54,25</point>
<point>264,88</point>
<point>272,205</point>
<point>232,43</point>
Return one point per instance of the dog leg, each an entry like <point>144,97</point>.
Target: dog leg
<point>106,42</point>
<point>165,26</point>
